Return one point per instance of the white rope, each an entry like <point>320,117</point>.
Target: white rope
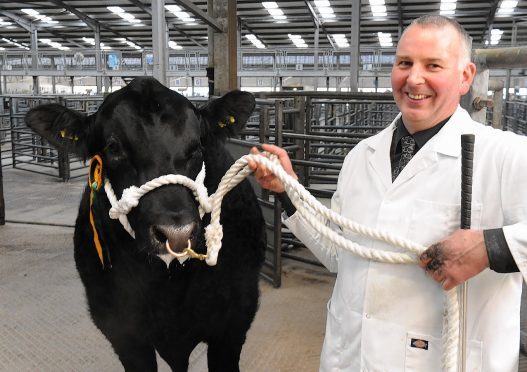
<point>309,208</point>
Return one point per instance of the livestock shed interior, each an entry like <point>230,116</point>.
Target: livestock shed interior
<point>320,73</point>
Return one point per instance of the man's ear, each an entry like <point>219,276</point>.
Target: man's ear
<point>226,116</point>
<point>65,129</point>
<point>468,76</point>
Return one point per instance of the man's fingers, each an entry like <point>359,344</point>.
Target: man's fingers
<point>433,258</point>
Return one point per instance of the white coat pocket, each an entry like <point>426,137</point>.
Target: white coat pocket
<point>423,353</point>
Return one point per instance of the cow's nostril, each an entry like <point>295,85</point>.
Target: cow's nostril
<point>158,235</point>
<point>177,236</point>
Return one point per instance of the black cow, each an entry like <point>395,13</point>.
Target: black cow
<point>141,304</point>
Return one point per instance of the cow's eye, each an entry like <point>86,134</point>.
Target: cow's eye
<point>113,147</point>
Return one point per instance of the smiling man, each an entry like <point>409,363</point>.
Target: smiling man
<point>406,181</point>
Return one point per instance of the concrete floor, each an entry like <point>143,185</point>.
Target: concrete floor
<point>44,322</point>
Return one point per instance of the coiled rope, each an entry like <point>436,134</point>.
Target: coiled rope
<point>309,208</point>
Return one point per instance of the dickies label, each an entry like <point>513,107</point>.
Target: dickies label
<point>419,344</point>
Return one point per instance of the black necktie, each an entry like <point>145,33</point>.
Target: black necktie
<point>408,148</point>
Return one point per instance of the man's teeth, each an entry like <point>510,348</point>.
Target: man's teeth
<point>416,96</point>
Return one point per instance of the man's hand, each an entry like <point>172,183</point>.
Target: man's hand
<point>264,176</point>
<point>456,259</point>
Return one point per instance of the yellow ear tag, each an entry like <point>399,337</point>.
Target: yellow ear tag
<point>221,124</point>
<point>232,120</point>
<point>63,135</point>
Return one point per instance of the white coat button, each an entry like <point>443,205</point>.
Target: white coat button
<point>368,316</point>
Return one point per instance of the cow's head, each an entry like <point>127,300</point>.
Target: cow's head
<point>144,131</point>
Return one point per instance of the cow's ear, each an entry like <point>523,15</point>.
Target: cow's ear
<point>228,114</point>
<point>65,129</point>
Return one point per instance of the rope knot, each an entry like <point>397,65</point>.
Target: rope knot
<point>129,200</point>
<point>213,237</point>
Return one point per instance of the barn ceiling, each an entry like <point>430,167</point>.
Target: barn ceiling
<point>74,20</point>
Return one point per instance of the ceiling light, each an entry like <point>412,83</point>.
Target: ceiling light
<point>255,41</point>
<point>173,8</point>
<point>341,40</point>
<point>507,7</point>
<point>270,5</point>
<point>378,9</point>
<point>89,40</point>
<point>31,12</point>
<point>275,12</point>
<point>385,39</point>
<point>115,9</point>
<point>448,6</point>
<point>174,45</point>
<point>507,4</point>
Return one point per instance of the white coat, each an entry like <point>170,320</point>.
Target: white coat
<point>377,309</point>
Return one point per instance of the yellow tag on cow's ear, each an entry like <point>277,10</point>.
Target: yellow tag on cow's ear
<point>63,135</point>
<point>221,124</point>
<point>232,119</point>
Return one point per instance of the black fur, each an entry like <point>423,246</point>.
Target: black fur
<point>144,131</point>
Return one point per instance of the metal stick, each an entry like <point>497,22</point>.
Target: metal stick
<point>467,158</point>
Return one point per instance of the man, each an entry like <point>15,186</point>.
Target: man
<point>406,180</point>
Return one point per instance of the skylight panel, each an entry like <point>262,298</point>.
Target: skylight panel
<point>385,39</point>
<point>39,17</point>
<point>495,36</point>
<point>274,10</point>
<point>325,10</point>
<point>378,8</point>
<point>173,45</point>
<point>507,7</point>
<point>181,14</point>
<point>255,41</point>
<point>54,44</point>
<point>123,14</point>
<point>340,40</point>
<point>14,42</point>
<point>4,23</point>
<point>448,7</point>
<point>297,40</point>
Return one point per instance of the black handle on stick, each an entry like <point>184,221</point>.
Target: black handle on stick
<point>467,160</point>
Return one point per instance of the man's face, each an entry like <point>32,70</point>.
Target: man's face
<point>429,75</point>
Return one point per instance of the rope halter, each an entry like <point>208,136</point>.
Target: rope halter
<point>131,195</point>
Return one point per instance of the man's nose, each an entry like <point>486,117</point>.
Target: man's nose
<point>415,75</point>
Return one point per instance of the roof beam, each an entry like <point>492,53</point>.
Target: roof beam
<point>93,23</point>
<point>200,14</point>
<point>490,20</point>
<point>22,22</point>
<point>83,16</point>
<point>185,34</point>
<point>400,16</point>
<point>318,23</point>
<point>141,6</point>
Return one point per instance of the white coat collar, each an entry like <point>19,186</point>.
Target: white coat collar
<point>446,142</point>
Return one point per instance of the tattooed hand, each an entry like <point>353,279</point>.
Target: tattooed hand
<point>456,259</point>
